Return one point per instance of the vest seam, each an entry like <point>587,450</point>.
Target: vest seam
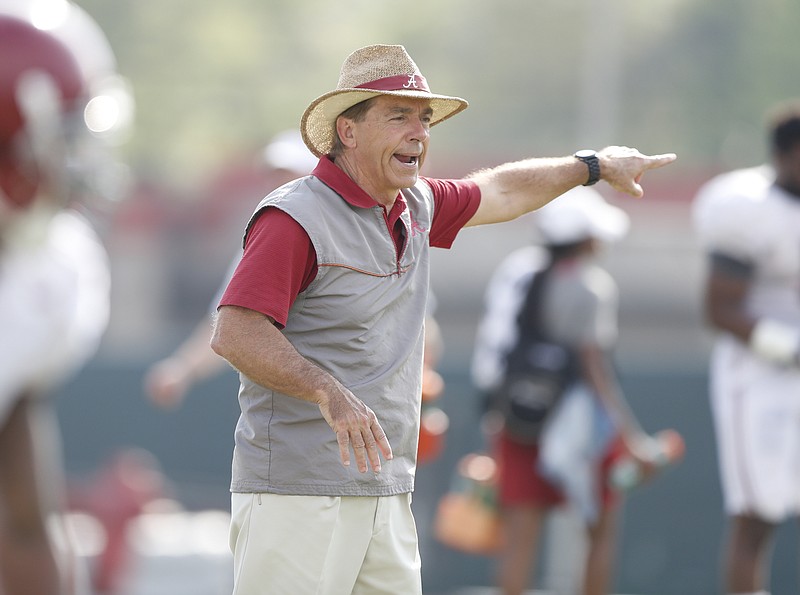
<point>357,270</point>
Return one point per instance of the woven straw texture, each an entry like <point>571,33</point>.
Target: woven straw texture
<point>375,62</point>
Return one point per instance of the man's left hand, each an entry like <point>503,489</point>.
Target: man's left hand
<point>622,167</point>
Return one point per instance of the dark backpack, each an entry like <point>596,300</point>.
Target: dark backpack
<point>537,372</point>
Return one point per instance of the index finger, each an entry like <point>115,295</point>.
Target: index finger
<point>654,161</point>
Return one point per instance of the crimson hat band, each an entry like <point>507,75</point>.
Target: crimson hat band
<point>407,82</point>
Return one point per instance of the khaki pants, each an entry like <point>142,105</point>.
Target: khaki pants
<point>298,545</point>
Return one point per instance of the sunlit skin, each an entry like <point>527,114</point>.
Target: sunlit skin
<point>385,151</point>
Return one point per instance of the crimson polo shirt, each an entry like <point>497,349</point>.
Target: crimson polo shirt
<point>278,244</point>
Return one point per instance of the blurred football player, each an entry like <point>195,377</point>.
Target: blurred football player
<point>749,224</point>
<point>54,279</point>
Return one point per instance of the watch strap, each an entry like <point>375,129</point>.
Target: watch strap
<point>592,163</point>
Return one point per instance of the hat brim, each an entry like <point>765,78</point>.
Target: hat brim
<point>317,123</point>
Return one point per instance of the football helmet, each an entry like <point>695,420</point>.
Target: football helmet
<point>62,107</point>
<point>39,80</point>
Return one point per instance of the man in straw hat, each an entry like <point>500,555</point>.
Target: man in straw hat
<point>323,319</point>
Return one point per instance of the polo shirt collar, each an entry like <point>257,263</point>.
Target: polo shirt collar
<point>338,181</point>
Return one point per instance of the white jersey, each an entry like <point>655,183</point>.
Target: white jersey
<point>54,307</point>
<point>743,215</point>
<point>755,403</point>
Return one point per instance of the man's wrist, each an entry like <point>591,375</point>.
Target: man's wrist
<point>589,157</point>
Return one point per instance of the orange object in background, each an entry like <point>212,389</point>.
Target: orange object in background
<point>433,421</point>
<point>432,384</point>
<point>628,474</point>
<point>467,517</point>
<point>432,429</point>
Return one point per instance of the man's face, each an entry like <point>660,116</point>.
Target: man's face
<point>389,145</point>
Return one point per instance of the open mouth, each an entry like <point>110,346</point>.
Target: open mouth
<point>407,159</point>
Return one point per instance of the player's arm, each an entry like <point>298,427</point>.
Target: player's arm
<point>168,380</point>
<point>513,189</point>
<point>596,368</point>
<point>726,289</point>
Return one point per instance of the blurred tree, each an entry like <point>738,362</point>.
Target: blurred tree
<point>213,78</point>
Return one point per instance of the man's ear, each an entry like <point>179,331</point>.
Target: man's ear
<point>346,131</point>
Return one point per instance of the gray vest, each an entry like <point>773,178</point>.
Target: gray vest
<point>361,319</point>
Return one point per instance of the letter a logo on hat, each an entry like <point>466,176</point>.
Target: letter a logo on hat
<point>412,82</point>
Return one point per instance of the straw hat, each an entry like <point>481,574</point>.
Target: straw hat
<point>580,214</point>
<point>367,72</point>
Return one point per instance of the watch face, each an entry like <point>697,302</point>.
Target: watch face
<point>583,153</point>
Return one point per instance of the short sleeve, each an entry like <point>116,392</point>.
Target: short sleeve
<point>727,211</point>
<point>455,202</point>
<point>278,263</point>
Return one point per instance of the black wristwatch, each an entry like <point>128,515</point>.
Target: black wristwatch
<point>589,157</point>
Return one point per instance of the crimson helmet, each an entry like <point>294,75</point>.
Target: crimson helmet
<point>62,106</point>
<point>40,81</point>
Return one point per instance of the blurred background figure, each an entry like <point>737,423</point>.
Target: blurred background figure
<point>433,420</point>
<point>118,493</point>
<point>748,221</point>
<point>168,380</point>
<point>559,291</point>
<point>57,108</point>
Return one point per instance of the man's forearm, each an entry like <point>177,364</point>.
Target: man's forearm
<point>518,187</point>
<point>513,189</point>
<point>252,344</point>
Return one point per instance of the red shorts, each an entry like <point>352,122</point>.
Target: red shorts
<point>520,482</point>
